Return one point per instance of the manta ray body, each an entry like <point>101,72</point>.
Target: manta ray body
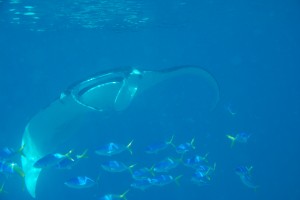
<point>110,91</point>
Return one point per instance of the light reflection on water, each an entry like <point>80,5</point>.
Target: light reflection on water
<point>90,14</point>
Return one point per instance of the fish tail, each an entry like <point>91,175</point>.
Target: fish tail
<point>21,151</point>
<point>152,170</point>
<point>130,168</point>
<point>176,180</point>
<point>211,169</point>
<point>129,147</point>
<point>249,169</point>
<point>2,188</point>
<point>180,160</point>
<point>205,157</point>
<point>83,155</point>
<point>192,143</point>
<point>170,142</point>
<point>98,179</point>
<point>255,188</point>
<point>214,167</point>
<point>232,138</point>
<point>68,155</point>
<point>123,196</point>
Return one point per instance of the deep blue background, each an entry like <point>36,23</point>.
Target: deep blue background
<point>251,48</point>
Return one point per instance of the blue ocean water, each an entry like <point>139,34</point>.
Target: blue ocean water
<point>250,47</point>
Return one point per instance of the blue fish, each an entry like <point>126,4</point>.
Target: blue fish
<point>157,147</point>
<point>195,161</point>
<point>68,163</point>
<point>247,180</point>
<point>205,171</point>
<point>166,165</point>
<point>8,153</point>
<point>114,196</point>
<point>6,167</point>
<point>162,180</point>
<point>240,138</point>
<point>80,182</point>
<point>245,175</point>
<point>115,166</point>
<point>243,170</point>
<point>185,147</point>
<point>142,173</point>
<point>11,168</point>
<point>113,149</point>
<point>51,160</point>
<point>142,184</point>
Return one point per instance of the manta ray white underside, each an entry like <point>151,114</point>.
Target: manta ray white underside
<point>111,91</point>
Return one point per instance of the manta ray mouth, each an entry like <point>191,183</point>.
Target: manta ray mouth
<point>110,91</point>
<point>118,87</point>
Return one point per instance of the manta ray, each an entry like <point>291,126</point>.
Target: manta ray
<point>110,91</point>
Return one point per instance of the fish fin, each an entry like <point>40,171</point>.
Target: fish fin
<point>83,155</point>
<point>18,169</point>
<point>129,147</point>
<point>232,138</point>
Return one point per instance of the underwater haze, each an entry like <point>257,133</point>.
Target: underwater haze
<point>229,132</point>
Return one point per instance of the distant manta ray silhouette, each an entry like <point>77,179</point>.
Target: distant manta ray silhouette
<point>111,91</point>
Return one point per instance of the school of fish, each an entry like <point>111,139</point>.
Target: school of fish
<point>159,174</point>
